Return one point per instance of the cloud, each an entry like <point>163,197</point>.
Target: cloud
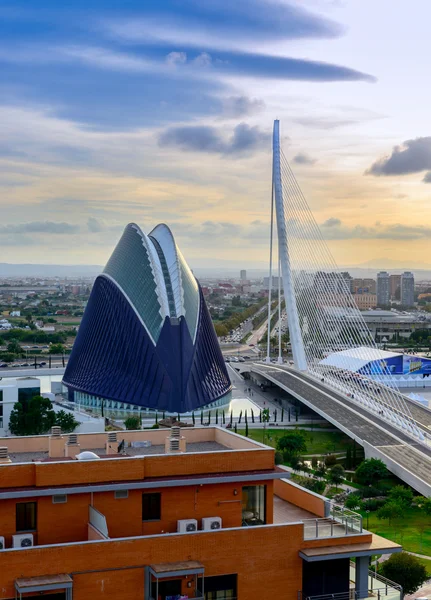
<point>95,225</point>
<point>335,229</point>
<point>202,138</point>
<point>40,227</point>
<point>176,58</point>
<point>304,159</point>
<point>203,60</point>
<point>326,123</point>
<point>236,107</point>
<point>332,222</point>
<point>217,23</point>
<point>413,156</point>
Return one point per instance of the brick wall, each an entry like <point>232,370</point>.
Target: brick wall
<point>266,560</point>
<point>299,497</point>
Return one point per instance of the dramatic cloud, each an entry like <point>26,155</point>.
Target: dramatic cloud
<point>413,156</point>
<point>40,227</point>
<point>304,159</point>
<point>218,23</point>
<point>201,138</point>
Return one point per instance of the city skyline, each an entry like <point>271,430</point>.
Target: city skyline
<point>112,114</point>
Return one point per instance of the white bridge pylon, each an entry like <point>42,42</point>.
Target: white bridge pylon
<point>322,315</point>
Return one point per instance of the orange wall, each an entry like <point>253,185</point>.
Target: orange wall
<point>133,469</point>
<point>62,523</point>
<point>265,558</point>
<point>299,497</point>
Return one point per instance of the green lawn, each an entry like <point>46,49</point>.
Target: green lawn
<point>405,531</point>
<point>318,441</point>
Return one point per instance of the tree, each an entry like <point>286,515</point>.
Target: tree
<point>66,421</point>
<point>14,347</point>
<point>330,460</point>
<point>401,494</point>
<point>406,570</point>
<point>336,475</point>
<point>292,444</point>
<point>265,419</point>
<point>131,422</point>
<point>392,510</point>
<point>246,428</point>
<point>33,418</point>
<point>57,349</point>
<point>370,471</point>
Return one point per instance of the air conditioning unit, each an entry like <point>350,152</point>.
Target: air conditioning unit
<point>22,540</point>
<point>211,523</point>
<point>187,526</point>
<point>2,543</point>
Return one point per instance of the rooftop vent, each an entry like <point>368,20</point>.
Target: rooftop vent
<point>112,436</point>
<point>176,432</point>
<point>174,445</point>
<point>3,452</point>
<point>73,438</point>
<point>55,431</point>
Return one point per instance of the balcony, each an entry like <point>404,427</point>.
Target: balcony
<point>338,523</point>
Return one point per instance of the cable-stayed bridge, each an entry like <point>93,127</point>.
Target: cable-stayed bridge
<point>324,322</point>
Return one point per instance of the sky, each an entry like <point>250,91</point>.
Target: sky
<point>161,111</point>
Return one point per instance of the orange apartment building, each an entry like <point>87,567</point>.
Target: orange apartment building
<point>169,514</point>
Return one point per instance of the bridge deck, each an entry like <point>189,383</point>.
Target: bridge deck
<point>355,420</point>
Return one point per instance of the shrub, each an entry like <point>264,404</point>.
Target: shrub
<point>278,458</point>
<point>373,504</point>
<point>155,426</point>
<point>132,423</point>
<point>370,471</point>
<point>353,501</point>
<point>330,460</point>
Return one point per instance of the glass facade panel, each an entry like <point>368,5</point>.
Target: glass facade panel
<point>254,505</point>
<point>131,268</point>
<point>26,394</point>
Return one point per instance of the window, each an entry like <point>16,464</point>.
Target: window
<point>59,499</point>
<point>26,516</point>
<point>253,505</point>
<point>151,507</point>
<point>26,394</point>
<point>120,494</point>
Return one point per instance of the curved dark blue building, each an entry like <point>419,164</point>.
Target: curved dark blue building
<point>146,338</point>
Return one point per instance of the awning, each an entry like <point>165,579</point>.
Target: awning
<point>378,545</point>
<point>176,569</point>
<point>43,583</point>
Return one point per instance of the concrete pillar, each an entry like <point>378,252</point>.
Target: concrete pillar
<point>56,443</point>
<point>112,444</point>
<point>361,577</point>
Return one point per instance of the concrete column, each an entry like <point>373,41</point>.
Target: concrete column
<point>361,577</point>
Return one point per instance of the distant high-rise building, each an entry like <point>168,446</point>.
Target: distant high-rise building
<point>363,286</point>
<point>383,291</point>
<point>407,289</point>
<point>243,275</point>
<point>274,283</point>
<point>395,286</point>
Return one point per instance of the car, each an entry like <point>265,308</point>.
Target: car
<point>251,345</point>
<point>3,365</point>
<point>35,346</point>
<point>25,365</point>
<point>42,364</point>
<point>15,365</point>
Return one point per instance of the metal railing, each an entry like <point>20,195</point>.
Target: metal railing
<point>340,522</point>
